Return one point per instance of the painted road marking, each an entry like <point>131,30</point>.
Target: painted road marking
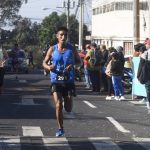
<point>27,102</point>
<point>56,143</point>
<point>117,125</point>
<point>10,143</point>
<point>22,81</point>
<point>144,142</point>
<point>104,143</point>
<point>32,131</point>
<point>89,104</point>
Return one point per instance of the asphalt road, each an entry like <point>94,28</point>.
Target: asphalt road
<point>27,119</point>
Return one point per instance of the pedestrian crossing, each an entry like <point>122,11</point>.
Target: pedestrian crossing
<point>63,143</point>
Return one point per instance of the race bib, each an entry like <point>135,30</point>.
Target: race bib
<point>63,77</point>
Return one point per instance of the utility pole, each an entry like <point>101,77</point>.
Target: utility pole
<point>136,22</point>
<point>68,13</point>
<point>81,24</point>
<point>68,6</point>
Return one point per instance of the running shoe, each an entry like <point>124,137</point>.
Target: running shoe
<point>60,132</point>
<point>116,98</point>
<point>122,98</point>
<point>108,98</point>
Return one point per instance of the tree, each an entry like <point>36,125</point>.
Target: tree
<point>26,32</point>
<point>50,23</point>
<point>9,9</point>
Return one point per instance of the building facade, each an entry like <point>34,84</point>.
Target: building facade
<point>112,23</point>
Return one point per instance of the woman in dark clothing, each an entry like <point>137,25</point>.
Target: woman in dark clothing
<point>109,80</point>
<point>116,71</point>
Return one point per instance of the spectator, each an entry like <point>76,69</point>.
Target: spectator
<point>15,62</point>
<point>103,74</point>
<point>30,57</point>
<point>86,71</point>
<point>146,55</point>
<point>116,71</point>
<point>94,59</point>
<point>110,93</point>
<point>3,58</point>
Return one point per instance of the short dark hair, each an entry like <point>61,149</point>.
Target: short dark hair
<point>94,45</point>
<point>138,46</point>
<point>142,49</point>
<point>62,28</point>
<point>115,55</point>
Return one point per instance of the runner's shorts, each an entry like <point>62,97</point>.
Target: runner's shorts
<point>64,89</point>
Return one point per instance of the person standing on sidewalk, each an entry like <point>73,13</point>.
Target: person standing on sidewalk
<point>146,55</point>
<point>63,58</point>
<point>103,74</point>
<point>86,71</point>
<point>3,58</point>
<point>116,71</point>
<point>94,58</point>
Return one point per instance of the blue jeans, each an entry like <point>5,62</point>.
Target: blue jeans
<point>95,80</point>
<point>117,84</point>
<point>87,77</point>
<point>147,86</point>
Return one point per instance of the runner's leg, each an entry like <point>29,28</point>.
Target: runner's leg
<point>58,104</point>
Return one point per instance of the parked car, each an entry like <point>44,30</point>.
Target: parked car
<point>22,59</point>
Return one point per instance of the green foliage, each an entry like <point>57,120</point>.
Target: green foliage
<point>49,25</point>
<point>9,9</point>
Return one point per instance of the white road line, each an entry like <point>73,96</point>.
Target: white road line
<point>32,131</point>
<point>27,102</point>
<point>104,143</point>
<point>56,143</point>
<point>117,125</point>
<point>22,81</point>
<point>144,142</point>
<point>19,89</point>
<point>35,96</point>
<point>89,104</point>
<point>10,143</point>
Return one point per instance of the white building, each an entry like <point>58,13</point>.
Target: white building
<point>112,22</point>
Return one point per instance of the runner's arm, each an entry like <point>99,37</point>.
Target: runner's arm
<point>47,59</point>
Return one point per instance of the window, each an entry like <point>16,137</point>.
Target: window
<point>118,6</point>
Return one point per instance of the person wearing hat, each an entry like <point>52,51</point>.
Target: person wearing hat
<point>62,75</point>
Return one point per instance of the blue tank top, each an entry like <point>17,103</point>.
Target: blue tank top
<point>61,60</point>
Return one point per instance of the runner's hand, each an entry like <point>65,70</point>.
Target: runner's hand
<point>51,67</point>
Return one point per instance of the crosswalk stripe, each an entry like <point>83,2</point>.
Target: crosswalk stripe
<point>104,143</point>
<point>32,131</point>
<point>117,125</point>
<point>56,143</point>
<point>144,142</point>
<point>10,143</point>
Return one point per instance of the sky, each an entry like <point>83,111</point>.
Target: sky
<point>34,9</point>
